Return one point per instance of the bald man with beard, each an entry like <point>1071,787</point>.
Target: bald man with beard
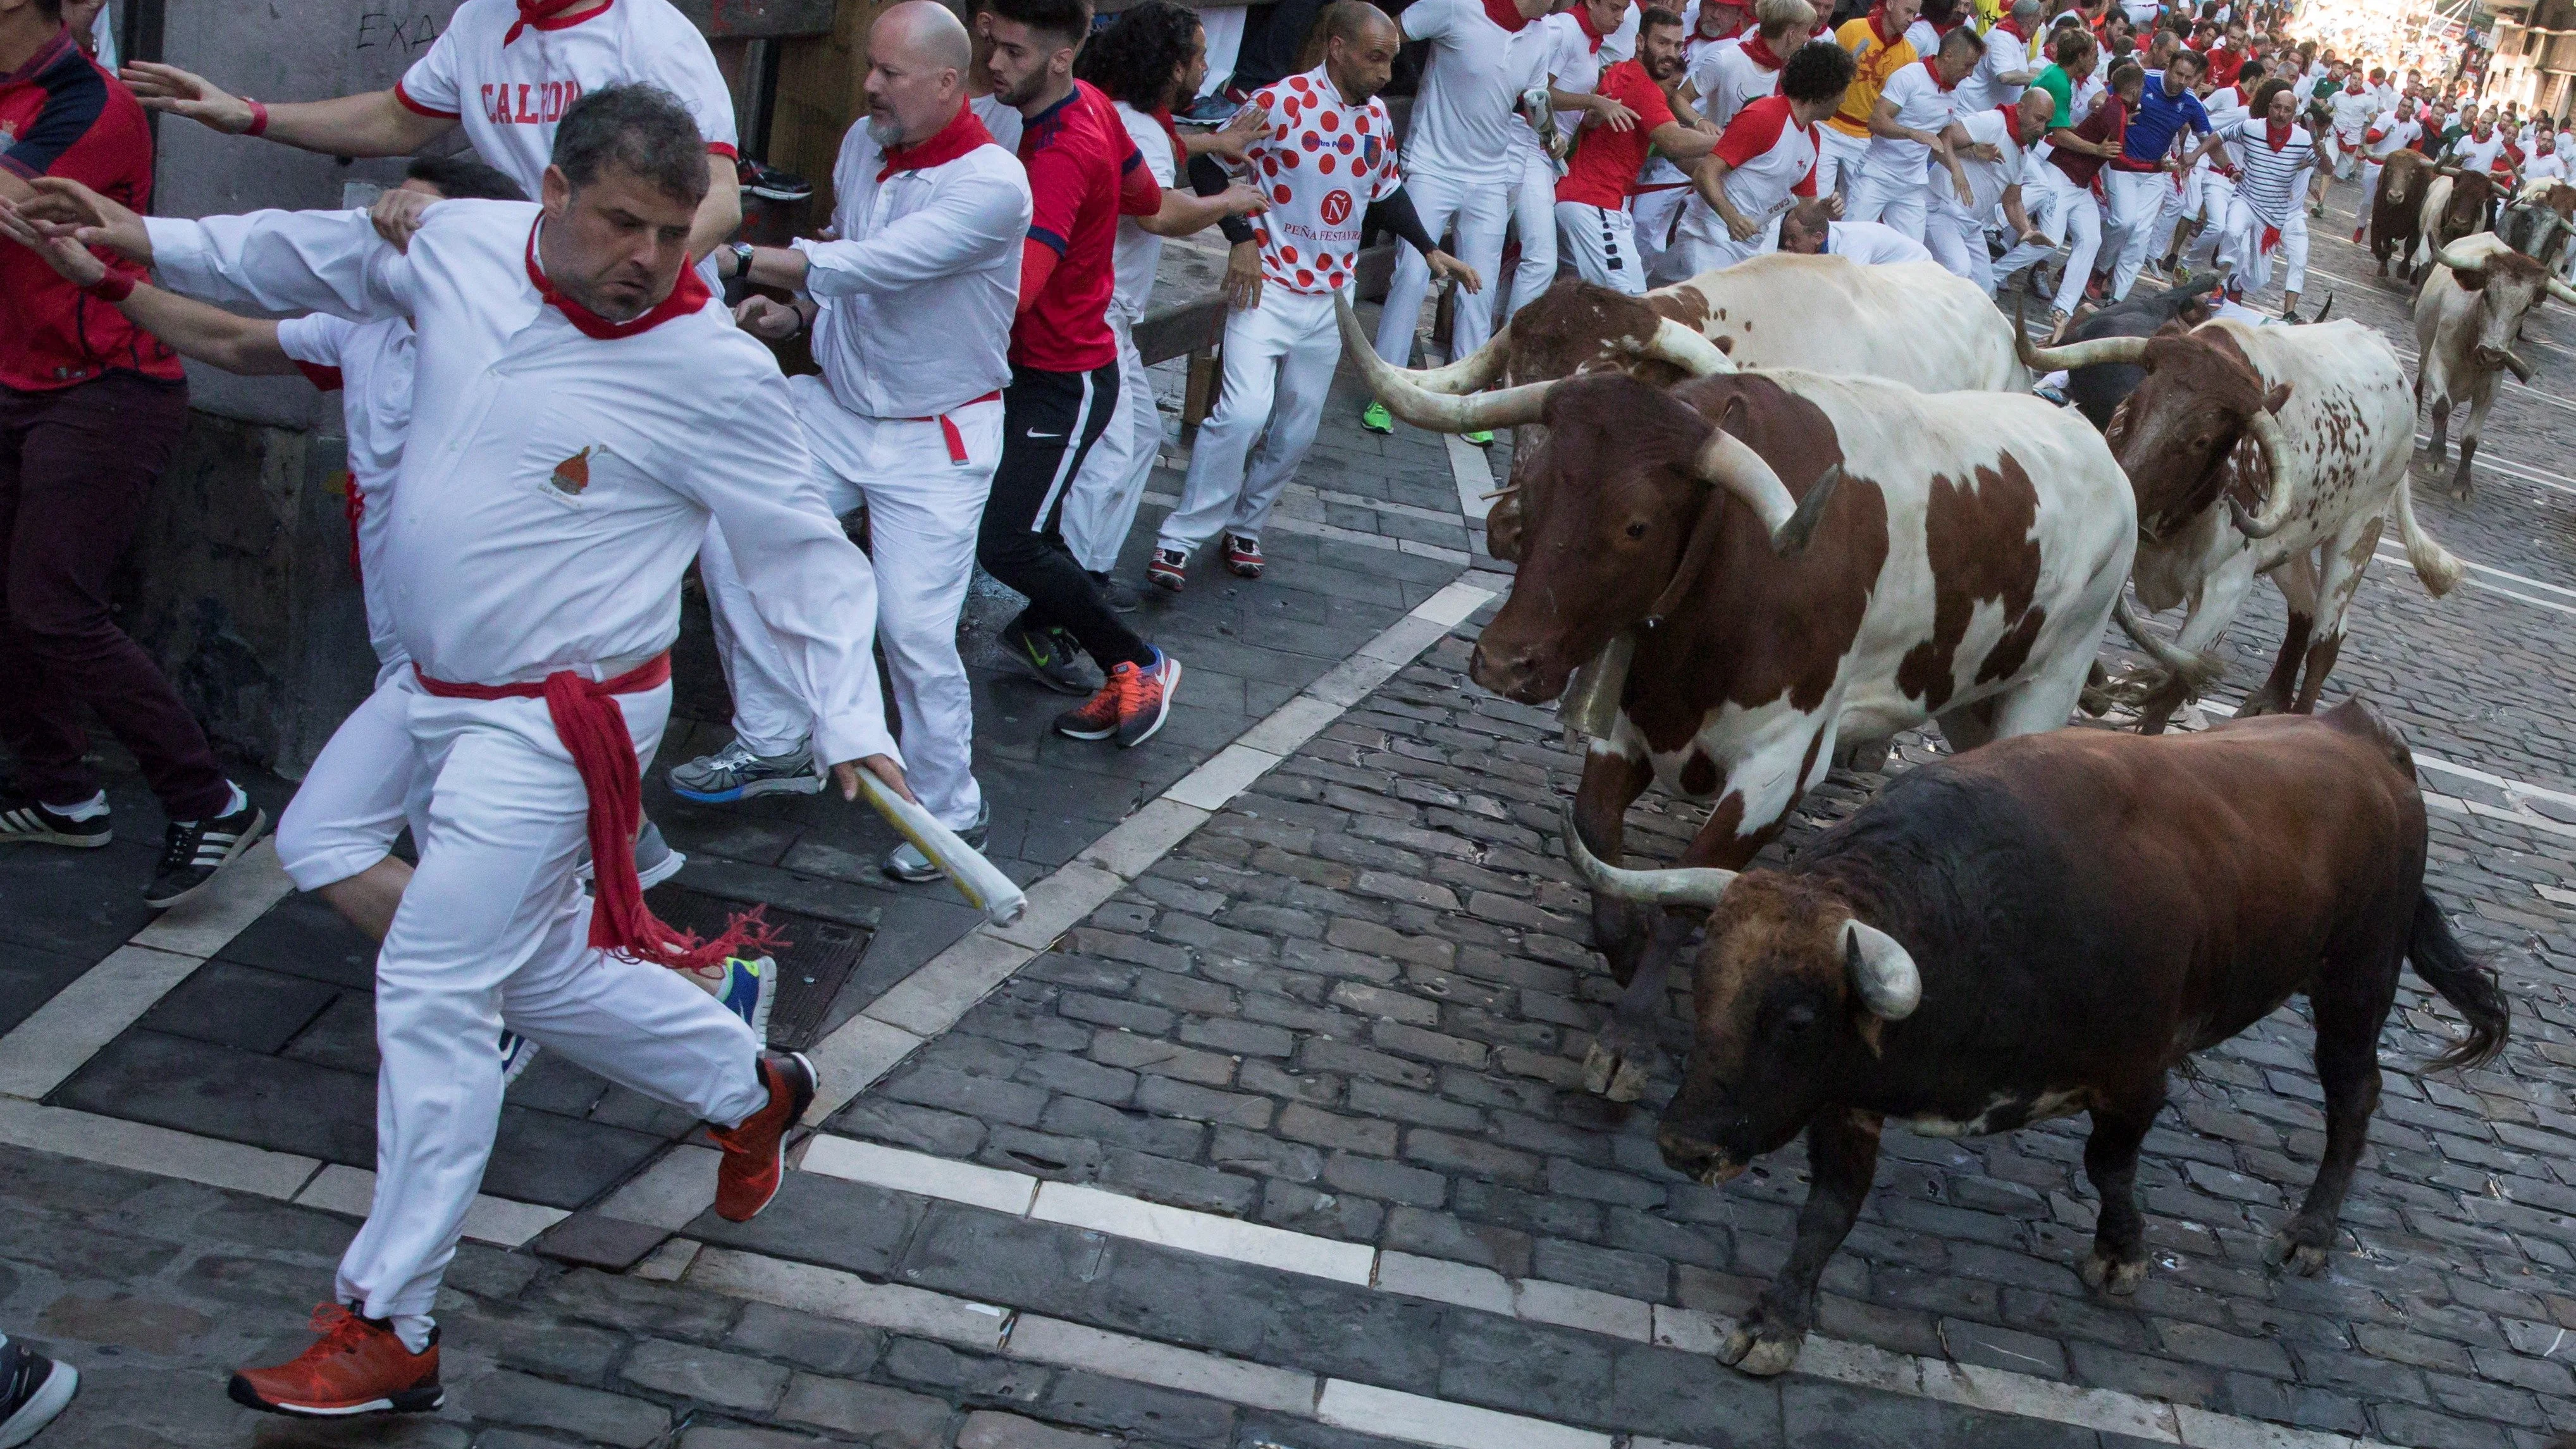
<point>910,310</point>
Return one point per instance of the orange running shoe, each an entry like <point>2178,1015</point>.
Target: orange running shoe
<point>755,1152</point>
<point>1131,706</point>
<point>357,1366</point>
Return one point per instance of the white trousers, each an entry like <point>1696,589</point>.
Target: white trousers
<point>2248,269</point>
<point>1958,242</point>
<point>2078,218</point>
<point>375,519</point>
<point>1655,214</point>
<point>1101,508</point>
<point>1901,201</point>
<point>364,787</point>
<point>1279,360</point>
<point>491,934</point>
<point>1602,244</point>
<point>1480,207</point>
<point>1703,244</point>
<point>1534,222</point>
<point>1838,161</point>
<point>2137,201</point>
<point>923,510</point>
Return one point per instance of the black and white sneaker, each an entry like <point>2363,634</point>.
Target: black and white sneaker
<point>199,848</point>
<point>33,1389</point>
<point>24,818</point>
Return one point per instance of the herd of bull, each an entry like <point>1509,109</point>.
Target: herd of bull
<point>1768,518</point>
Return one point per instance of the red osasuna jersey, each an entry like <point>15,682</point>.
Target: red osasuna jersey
<point>1084,173</point>
<point>1321,164</point>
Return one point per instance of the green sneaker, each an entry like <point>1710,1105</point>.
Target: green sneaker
<point>1480,439</point>
<point>1376,418</point>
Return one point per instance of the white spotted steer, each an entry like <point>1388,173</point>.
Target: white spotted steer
<point>2466,320</point>
<point>1945,556</point>
<point>2310,423</point>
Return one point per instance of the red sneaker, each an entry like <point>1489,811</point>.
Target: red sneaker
<point>1169,570</point>
<point>1131,706</point>
<point>755,1152</point>
<point>1243,556</point>
<point>357,1366</point>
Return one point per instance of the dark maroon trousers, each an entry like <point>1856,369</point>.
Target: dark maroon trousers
<point>76,471</point>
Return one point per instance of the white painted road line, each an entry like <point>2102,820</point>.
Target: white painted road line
<point>142,1147</point>
<point>500,1221</point>
<point>2388,554</point>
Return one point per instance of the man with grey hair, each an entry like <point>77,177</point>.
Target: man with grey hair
<point>2007,64</point>
<point>910,312</point>
<point>580,414</point>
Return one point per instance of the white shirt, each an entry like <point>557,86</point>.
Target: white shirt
<point>1728,80</point>
<point>1769,158</point>
<point>1871,243</point>
<point>917,292</point>
<point>508,98</point>
<point>1322,162</point>
<point>1920,103</point>
<point>373,361</point>
<point>1985,87</point>
<point>2476,155</point>
<point>2394,134</point>
<point>1139,251</point>
<point>2352,113</point>
<point>1572,62</point>
<point>1988,179</point>
<point>1925,37</point>
<point>1005,122</point>
<point>2549,166</point>
<point>1462,115</point>
<point>2271,182</point>
<point>563,482</point>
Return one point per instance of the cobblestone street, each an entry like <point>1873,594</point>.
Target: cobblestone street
<point>1266,1129</point>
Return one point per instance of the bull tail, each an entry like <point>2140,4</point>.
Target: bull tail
<point>2435,566</point>
<point>2194,670</point>
<point>2467,983</point>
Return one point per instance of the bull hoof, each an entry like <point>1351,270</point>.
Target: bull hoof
<point>1615,1075</point>
<point>2118,1277</point>
<point>1762,1350</point>
<point>2263,701</point>
<point>2287,1252</point>
<point>2095,701</point>
<point>2462,489</point>
<point>1866,757</point>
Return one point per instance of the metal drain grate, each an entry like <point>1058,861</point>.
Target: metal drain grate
<point>817,962</point>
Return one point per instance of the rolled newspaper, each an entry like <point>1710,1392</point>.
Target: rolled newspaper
<point>984,887</point>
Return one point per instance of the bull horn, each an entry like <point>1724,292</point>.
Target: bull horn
<point>2325,311</point>
<point>2074,354</point>
<point>2457,260</point>
<point>1727,462</point>
<point>1690,351</point>
<point>2521,369</point>
<point>1882,971</point>
<point>1436,412</point>
<point>1698,886</point>
<point>1471,373</point>
<point>2276,503</point>
<point>2562,291</point>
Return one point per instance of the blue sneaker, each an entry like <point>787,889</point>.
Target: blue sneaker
<point>516,1053</point>
<point>735,773</point>
<point>748,990</point>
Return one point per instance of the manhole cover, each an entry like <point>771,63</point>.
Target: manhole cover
<point>818,957</point>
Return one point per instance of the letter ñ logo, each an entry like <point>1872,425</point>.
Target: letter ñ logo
<point>572,475</point>
<point>1337,208</point>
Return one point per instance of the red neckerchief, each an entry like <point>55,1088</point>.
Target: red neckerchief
<point>1583,17</point>
<point>1759,51</point>
<point>2274,136</point>
<point>1878,26</point>
<point>2007,26</point>
<point>1505,14</point>
<point>541,14</point>
<point>687,296</point>
<point>963,133</point>
<point>1180,154</point>
<point>1934,71</point>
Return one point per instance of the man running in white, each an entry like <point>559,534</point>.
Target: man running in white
<point>1331,172</point>
<point>2390,133</point>
<point>2007,65</point>
<point>1911,133</point>
<point>1810,229</point>
<point>2275,153</point>
<point>506,71</point>
<point>910,307</point>
<point>1765,162</point>
<point>582,413</point>
<point>1727,78</point>
<point>1458,164</point>
<point>1956,233</point>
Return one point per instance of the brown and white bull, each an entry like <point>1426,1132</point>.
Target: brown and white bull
<point>2048,926</point>
<point>2456,204</point>
<point>1960,554</point>
<point>1914,322</point>
<point>2253,451</point>
<point>2466,320</point>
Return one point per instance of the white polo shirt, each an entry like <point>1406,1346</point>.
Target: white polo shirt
<point>1462,116</point>
<point>1770,160</point>
<point>2394,135</point>
<point>1728,79</point>
<point>566,467</point>
<point>1139,251</point>
<point>917,291</point>
<point>1922,103</point>
<point>508,98</point>
<point>1988,179</point>
<point>2476,155</point>
<point>1872,243</point>
<point>1985,87</point>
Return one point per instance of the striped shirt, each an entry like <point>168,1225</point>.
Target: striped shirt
<point>2269,180</point>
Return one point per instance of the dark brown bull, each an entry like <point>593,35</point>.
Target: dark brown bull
<point>2049,925</point>
<point>2469,207</point>
<point>2396,214</point>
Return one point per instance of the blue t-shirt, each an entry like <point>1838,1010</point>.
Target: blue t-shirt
<point>2157,118</point>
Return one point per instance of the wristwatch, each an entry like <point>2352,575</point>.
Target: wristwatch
<point>741,259</point>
